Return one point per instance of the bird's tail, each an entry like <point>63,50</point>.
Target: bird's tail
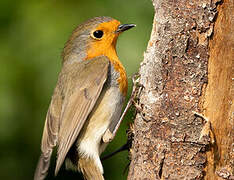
<point>42,167</point>
<point>89,169</point>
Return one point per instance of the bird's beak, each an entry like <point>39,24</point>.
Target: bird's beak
<point>124,27</point>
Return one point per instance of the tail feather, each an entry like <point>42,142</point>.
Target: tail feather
<point>42,167</point>
<point>89,169</point>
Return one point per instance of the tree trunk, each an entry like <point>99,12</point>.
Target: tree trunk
<point>184,124</point>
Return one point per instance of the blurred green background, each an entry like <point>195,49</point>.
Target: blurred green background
<point>32,36</point>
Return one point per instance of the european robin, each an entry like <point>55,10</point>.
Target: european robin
<point>87,102</point>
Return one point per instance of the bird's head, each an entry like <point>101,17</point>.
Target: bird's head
<point>95,37</point>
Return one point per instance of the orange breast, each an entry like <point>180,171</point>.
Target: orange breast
<point>111,54</point>
<point>107,47</point>
<point>122,80</point>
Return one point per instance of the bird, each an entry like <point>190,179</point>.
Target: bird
<point>85,108</point>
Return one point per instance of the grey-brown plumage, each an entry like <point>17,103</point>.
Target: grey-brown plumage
<point>85,109</point>
<point>71,104</point>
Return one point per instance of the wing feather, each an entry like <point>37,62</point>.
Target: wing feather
<point>80,103</point>
<point>49,138</point>
<point>79,86</point>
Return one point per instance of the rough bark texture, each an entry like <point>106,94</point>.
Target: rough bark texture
<point>218,102</point>
<point>171,141</point>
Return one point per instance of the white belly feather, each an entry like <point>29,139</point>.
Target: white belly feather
<point>107,109</point>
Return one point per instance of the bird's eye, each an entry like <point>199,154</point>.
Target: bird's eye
<point>98,34</point>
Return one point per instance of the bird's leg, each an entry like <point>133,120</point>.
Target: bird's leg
<point>122,148</point>
<point>110,134</point>
<point>126,146</point>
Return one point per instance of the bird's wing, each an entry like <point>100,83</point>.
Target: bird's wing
<point>50,133</point>
<point>84,83</point>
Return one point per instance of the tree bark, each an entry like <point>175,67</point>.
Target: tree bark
<point>184,124</point>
